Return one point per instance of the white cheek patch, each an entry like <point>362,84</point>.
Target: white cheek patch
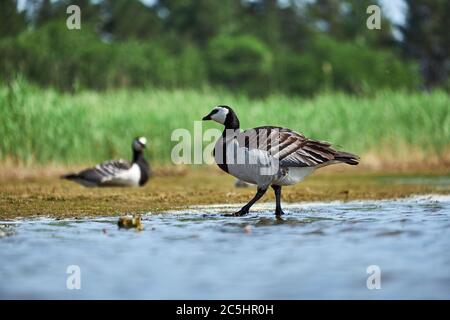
<point>220,116</point>
<point>143,140</point>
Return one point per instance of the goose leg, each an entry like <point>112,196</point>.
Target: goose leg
<point>244,210</point>
<point>277,190</point>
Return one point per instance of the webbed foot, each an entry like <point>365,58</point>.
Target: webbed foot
<point>239,213</point>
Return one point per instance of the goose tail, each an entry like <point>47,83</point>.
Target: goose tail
<point>347,157</point>
<point>70,176</point>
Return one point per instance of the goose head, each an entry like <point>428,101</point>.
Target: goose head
<point>139,144</point>
<point>223,115</point>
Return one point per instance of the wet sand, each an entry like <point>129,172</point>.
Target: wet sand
<point>48,196</point>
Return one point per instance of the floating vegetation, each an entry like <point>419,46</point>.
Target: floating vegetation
<point>130,222</point>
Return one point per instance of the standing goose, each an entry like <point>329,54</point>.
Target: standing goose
<point>116,173</point>
<point>269,156</point>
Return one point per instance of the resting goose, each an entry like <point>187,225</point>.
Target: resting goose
<point>269,156</point>
<point>116,173</point>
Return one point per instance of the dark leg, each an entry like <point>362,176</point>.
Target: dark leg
<point>259,193</point>
<point>278,210</point>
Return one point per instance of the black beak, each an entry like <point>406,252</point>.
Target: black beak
<point>208,117</point>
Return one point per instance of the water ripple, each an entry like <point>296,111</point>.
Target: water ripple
<point>317,250</point>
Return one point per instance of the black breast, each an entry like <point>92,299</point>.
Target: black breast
<point>223,165</point>
<point>145,171</point>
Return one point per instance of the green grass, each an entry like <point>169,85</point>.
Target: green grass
<point>44,125</point>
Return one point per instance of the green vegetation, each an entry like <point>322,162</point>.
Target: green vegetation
<point>258,47</point>
<point>44,125</point>
<point>69,60</point>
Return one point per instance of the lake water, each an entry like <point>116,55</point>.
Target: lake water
<point>318,250</point>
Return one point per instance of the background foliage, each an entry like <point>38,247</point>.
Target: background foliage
<point>42,126</point>
<point>135,68</point>
<point>256,47</point>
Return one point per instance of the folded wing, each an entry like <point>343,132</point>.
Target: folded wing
<point>293,149</point>
<point>112,169</point>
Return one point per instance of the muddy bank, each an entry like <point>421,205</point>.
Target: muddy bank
<point>50,196</point>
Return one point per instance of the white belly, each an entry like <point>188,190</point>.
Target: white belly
<point>258,167</point>
<point>126,178</point>
<point>292,175</point>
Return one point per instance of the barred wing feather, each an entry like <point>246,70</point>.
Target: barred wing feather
<point>293,149</point>
<point>111,169</point>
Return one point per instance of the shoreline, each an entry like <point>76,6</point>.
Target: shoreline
<point>48,196</point>
<point>229,207</point>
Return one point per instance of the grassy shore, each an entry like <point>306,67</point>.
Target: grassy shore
<point>43,126</point>
<point>44,195</point>
<point>45,133</point>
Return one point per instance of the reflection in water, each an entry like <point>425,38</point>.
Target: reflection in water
<point>6,230</point>
<point>317,250</point>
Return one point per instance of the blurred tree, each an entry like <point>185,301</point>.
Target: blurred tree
<point>295,27</point>
<point>44,12</point>
<point>346,20</point>
<point>200,20</point>
<point>12,22</point>
<point>295,46</point>
<point>124,19</point>
<point>262,19</point>
<point>426,37</point>
<point>325,15</point>
<point>241,63</point>
<point>90,11</point>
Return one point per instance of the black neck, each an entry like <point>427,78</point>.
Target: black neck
<point>232,121</point>
<point>232,125</point>
<point>137,155</point>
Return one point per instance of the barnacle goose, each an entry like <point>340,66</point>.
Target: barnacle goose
<point>269,156</point>
<point>116,173</point>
